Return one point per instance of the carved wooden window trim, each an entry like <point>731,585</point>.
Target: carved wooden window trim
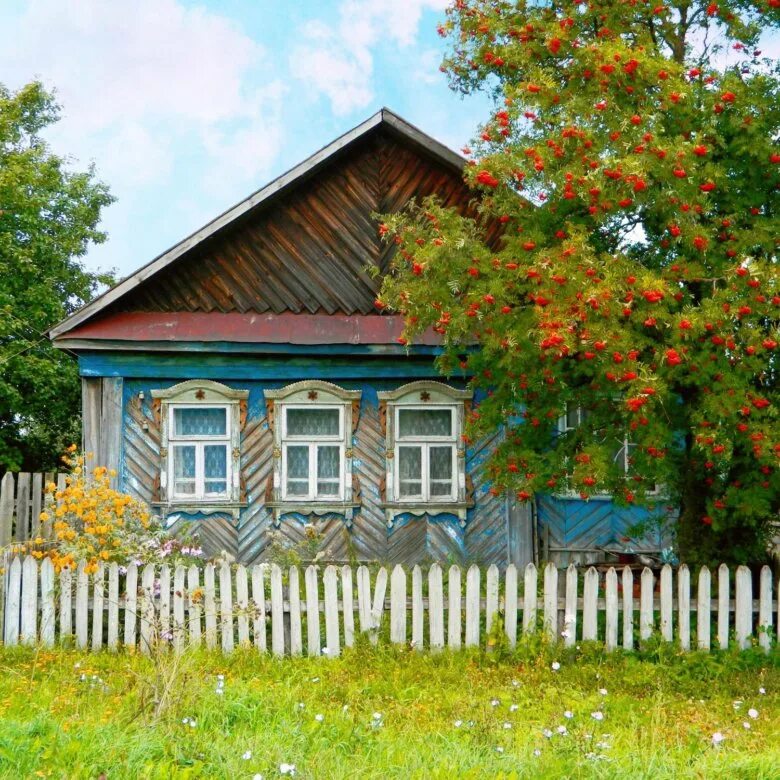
<point>417,395</point>
<point>190,394</point>
<point>315,394</point>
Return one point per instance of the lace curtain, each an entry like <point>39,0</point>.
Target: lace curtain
<point>424,422</point>
<point>312,422</point>
<point>200,422</point>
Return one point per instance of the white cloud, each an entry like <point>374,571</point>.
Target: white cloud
<point>337,60</point>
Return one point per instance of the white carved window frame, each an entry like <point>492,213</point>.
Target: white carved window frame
<point>312,394</point>
<point>192,394</point>
<point>425,395</point>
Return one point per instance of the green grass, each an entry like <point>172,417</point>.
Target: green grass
<point>660,712</point>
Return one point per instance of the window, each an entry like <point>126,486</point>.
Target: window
<point>313,453</point>
<point>313,423</point>
<point>622,446</point>
<point>426,448</point>
<point>426,462</point>
<point>200,444</point>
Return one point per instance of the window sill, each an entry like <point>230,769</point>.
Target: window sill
<point>201,507</point>
<point>457,508</point>
<point>320,508</point>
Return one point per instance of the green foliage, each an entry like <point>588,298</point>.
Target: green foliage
<point>623,258</point>
<point>48,217</point>
<point>77,715</point>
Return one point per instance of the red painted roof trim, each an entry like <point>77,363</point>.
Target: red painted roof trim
<point>285,328</point>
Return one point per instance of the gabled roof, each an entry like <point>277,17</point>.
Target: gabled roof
<point>384,118</point>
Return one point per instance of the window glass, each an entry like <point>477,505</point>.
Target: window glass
<point>328,460</point>
<point>424,422</point>
<point>184,470</point>
<point>410,471</point>
<point>440,468</point>
<point>215,468</point>
<point>297,470</point>
<point>200,422</point>
<point>312,422</point>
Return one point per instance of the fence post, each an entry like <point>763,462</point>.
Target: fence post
<point>210,606</point>
<point>242,604</point>
<point>131,604</point>
<point>570,614</point>
<point>398,605</point>
<point>13,602</point>
<point>258,599</point>
<point>226,606</point>
<point>647,584</point>
<point>611,633</point>
<point>97,607</point>
<point>666,603</point>
<point>164,603</point>
<point>29,632</point>
<point>179,626</point>
<point>378,606</point>
<point>684,607</point>
<point>82,607</point>
<point>294,586</point>
<point>529,599</point>
<point>347,606</point>
<point>48,614</point>
<point>590,596</point>
<point>331,589</point>
<point>364,599</point>
<point>149,636</point>
<point>312,612</point>
<point>66,604</point>
<point>113,606</point>
<point>491,600</point>
<point>22,507</point>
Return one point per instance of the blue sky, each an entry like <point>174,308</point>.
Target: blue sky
<point>186,107</point>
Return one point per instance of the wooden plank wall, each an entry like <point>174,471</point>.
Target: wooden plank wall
<point>101,400</point>
<point>224,611</point>
<point>22,499</point>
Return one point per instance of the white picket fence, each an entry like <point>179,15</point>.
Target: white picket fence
<point>231,606</point>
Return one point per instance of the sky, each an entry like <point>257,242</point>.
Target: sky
<point>187,107</point>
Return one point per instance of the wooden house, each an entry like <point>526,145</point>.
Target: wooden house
<point>244,382</point>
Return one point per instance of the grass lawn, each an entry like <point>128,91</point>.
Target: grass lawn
<point>384,713</point>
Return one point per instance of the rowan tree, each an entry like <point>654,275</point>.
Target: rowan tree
<point>632,164</point>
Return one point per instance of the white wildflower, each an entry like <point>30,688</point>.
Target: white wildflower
<point>507,725</point>
<point>762,691</point>
<point>746,725</point>
<point>603,691</point>
<point>377,716</point>
<point>717,738</point>
<point>301,705</point>
<point>258,776</point>
<point>247,755</point>
<point>568,714</point>
<point>562,730</point>
<point>314,680</point>
<point>458,724</point>
<point>598,715</point>
<point>319,717</point>
<point>499,749</point>
<point>515,683</point>
<point>494,702</point>
<point>737,704</point>
<point>537,752</point>
<point>345,708</point>
<point>752,713</point>
<point>546,733</point>
<point>555,666</point>
<point>514,707</point>
<point>287,769</point>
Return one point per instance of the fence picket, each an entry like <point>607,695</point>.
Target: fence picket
<point>570,612</point>
<point>112,636</point>
<point>258,601</point>
<point>36,505</point>
<point>210,606</point>
<point>277,611</point>
<point>164,602</point>
<point>312,612</point>
<point>472,606</point>
<point>667,631</point>
<point>226,607</point>
<point>22,530</point>
<point>98,598</point>
<point>703,606</point>
<point>590,595</point>
<point>296,637</point>
<point>551,600</point>
<point>48,614</point>
<point>378,606</point>
<point>684,607</point>
<point>647,583</point>
<point>723,606</point>
<point>131,604</point>
<point>82,607</point>
<point>529,598</point>
<point>628,608</point>
<point>491,600</point>
<point>510,604</point>
<point>179,595</point>
<point>66,604</point>
<point>364,599</point>
<point>435,608</point>
<point>743,612</point>
<point>398,606</point>
<point>611,631</point>
<point>347,606</point>
<point>193,604</point>
<point>6,509</point>
<point>146,611</point>
<point>330,584</point>
<point>455,612</point>
<point>242,605</point>
<point>765,609</point>
<point>13,603</point>
<point>29,631</point>
<point>417,609</point>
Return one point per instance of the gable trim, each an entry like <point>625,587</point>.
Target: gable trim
<point>383,117</point>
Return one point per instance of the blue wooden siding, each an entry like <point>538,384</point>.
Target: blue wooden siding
<point>573,524</point>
